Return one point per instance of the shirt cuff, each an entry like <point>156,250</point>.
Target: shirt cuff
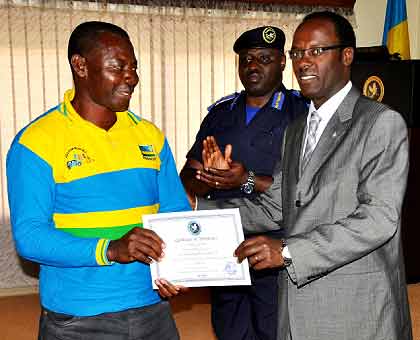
<point>286,253</point>
<point>100,253</point>
<point>290,269</point>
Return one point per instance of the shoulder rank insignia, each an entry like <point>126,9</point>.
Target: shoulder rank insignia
<point>296,93</point>
<point>233,96</point>
<point>278,100</point>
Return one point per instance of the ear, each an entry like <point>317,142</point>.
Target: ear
<point>347,56</point>
<point>283,62</point>
<point>78,63</point>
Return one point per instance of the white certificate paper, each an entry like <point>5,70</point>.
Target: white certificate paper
<point>199,248</point>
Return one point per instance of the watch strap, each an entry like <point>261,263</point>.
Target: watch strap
<point>249,185</point>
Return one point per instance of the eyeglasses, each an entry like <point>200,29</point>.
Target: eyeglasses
<point>296,54</point>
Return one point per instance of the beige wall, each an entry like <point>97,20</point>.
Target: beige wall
<point>370,16</point>
<point>185,66</point>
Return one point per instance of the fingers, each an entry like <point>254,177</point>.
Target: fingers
<point>228,153</point>
<point>264,264</point>
<point>138,244</point>
<point>210,146</point>
<point>206,156</point>
<point>229,178</point>
<point>247,249</point>
<point>212,156</point>
<point>213,180</point>
<point>213,146</point>
<point>149,244</point>
<point>168,290</point>
<point>262,252</point>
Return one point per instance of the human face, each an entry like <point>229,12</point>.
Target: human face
<point>111,73</point>
<point>261,70</point>
<point>320,76</point>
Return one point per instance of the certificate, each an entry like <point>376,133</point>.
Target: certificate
<point>199,248</point>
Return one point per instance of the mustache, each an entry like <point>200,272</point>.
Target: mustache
<point>303,73</point>
<point>251,72</point>
<point>125,88</point>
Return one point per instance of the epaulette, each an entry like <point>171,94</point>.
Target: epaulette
<point>298,94</point>
<point>278,100</point>
<point>233,96</point>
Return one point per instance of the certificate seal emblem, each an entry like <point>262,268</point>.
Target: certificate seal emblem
<point>230,268</point>
<point>194,228</point>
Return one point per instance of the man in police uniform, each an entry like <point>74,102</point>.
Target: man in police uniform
<point>248,128</point>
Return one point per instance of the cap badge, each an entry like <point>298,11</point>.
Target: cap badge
<point>269,35</point>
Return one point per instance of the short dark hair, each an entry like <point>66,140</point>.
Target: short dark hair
<point>85,36</point>
<point>343,28</point>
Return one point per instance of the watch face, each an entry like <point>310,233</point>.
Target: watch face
<point>247,188</point>
<point>287,261</point>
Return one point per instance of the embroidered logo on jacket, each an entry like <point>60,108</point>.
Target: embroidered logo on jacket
<point>77,157</point>
<point>147,152</point>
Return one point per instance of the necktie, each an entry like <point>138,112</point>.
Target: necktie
<point>311,139</point>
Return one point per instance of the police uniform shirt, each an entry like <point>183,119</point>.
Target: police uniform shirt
<point>257,145</point>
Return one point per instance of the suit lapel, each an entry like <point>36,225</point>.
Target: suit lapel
<point>332,136</point>
<point>297,134</point>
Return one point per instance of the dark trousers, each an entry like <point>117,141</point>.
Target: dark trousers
<point>247,312</point>
<point>153,322</point>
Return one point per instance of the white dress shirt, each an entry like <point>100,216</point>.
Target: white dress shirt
<point>326,111</point>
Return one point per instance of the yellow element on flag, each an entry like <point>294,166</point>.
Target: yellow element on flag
<point>398,41</point>
<point>396,36</point>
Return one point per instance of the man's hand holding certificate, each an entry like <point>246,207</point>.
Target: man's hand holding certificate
<point>199,248</point>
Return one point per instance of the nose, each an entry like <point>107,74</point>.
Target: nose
<point>303,63</point>
<point>252,63</point>
<point>131,77</point>
<point>252,66</point>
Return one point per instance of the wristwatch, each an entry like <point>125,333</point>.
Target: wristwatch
<point>248,186</point>
<point>286,260</point>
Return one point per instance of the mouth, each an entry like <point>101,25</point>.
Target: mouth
<point>124,92</point>
<point>304,78</point>
<point>253,77</point>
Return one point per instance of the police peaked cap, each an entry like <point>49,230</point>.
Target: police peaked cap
<point>262,37</point>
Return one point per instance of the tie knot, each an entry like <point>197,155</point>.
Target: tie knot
<point>314,122</point>
<point>315,118</point>
<point>311,139</point>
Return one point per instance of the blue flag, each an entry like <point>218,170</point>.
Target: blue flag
<point>396,29</point>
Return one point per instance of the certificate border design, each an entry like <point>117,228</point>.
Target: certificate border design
<point>241,278</point>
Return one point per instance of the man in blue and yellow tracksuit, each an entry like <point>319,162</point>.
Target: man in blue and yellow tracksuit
<point>80,177</point>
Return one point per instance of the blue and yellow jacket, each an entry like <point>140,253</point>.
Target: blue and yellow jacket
<point>72,188</point>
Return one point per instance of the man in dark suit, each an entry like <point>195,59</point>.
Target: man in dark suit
<point>343,178</point>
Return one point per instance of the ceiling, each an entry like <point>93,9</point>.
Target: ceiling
<point>327,3</point>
